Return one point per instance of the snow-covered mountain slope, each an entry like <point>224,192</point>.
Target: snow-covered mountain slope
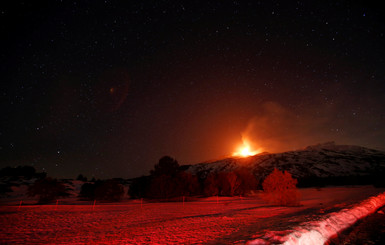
<point>322,160</point>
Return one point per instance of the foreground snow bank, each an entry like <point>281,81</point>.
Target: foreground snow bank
<point>319,232</point>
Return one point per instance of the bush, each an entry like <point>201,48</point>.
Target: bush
<point>280,189</point>
<point>47,189</point>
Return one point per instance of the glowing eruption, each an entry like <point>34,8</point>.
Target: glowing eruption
<point>245,150</point>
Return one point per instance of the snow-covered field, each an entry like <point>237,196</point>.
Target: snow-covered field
<point>204,221</point>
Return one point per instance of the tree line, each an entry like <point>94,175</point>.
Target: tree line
<point>166,181</point>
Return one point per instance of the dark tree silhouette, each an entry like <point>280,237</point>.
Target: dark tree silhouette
<point>47,189</point>
<point>109,190</point>
<point>247,181</point>
<point>167,180</point>
<point>139,187</point>
<point>163,186</point>
<point>4,189</point>
<point>163,178</point>
<point>81,178</point>
<point>187,184</point>
<point>87,191</point>
<point>211,185</point>
<point>24,171</point>
<point>232,183</point>
<point>166,166</point>
<point>237,182</point>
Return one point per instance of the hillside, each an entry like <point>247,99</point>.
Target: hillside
<point>323,161</point>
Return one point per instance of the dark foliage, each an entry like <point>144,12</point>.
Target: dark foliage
<point>223,183</point>
<point>47,190</point>
<point>237,182</point>
<point>109,190</point>
<point>162,186</point>
<point>81,178</point>
<point>166,166</point>
<point>4,189</point>
<point>211,185</point>
<point>247,180</point>
<point>139,187</point>
<point>87,191</point>
<point>24,171</point>
<point>169,180</point>
<point>187,184</point>
<point>376,180</point>
<point>180,184</point>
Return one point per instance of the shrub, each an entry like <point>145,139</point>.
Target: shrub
<point>280,189</point>
<point>47,189</point>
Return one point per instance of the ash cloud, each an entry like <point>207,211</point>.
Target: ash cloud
<point>276,129</point>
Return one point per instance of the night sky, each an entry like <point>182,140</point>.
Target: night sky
<point>106,89</point>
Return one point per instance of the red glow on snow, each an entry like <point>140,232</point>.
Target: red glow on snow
<point>203,220</point>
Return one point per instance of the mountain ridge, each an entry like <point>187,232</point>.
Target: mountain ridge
<point>325,160</point>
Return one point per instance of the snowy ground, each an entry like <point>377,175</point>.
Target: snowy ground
<point>370,229</point>
<point>205,221</point>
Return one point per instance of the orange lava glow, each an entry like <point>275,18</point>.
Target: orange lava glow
<point>245,150</point>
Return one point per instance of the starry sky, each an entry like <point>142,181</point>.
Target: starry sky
<point>106,88</point>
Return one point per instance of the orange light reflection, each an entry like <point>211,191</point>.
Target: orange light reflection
<point>245,150</point>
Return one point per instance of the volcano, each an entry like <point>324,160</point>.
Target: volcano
<point>320,164</point>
